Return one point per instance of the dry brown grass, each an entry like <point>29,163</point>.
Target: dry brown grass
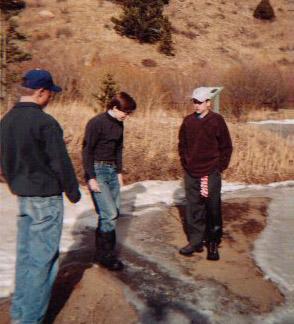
<point>87,20</point>
<point>163,89</point>
<point>151,147</point>
<point>266,114</point>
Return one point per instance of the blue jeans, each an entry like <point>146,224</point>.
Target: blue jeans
<point>38,238</point>
<point>107,201</point>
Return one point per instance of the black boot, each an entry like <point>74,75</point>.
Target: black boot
<point>105,255</point>
<point>190,249</point>
<point>212,251</point>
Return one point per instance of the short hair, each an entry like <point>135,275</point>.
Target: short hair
<point>22,91</point>
<point>122,101</point>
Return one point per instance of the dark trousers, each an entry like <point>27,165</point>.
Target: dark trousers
<point>203,215</point>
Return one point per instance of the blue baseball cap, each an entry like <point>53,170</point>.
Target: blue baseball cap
<point>37,79</point>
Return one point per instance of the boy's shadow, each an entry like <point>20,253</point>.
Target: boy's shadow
<point>80,256</point>
<point>72,265</point>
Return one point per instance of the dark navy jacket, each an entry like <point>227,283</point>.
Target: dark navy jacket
<point>34,159</point>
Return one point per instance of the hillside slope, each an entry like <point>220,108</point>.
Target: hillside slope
<point>216,33</point>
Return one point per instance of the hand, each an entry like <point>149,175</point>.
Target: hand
<point>2,179</point>
<point>93,185</point>
<point>74,197</point>
<point>120,180</point>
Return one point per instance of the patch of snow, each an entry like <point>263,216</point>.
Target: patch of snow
<point>283,121</point>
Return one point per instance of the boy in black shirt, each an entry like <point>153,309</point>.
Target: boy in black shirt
<point>102,158</point>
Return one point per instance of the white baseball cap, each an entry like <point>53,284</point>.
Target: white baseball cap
<point>205,93</point>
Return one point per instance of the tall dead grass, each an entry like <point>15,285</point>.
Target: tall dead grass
<point>151,147</point>
<point>246,87</point>
<point>266,114</point>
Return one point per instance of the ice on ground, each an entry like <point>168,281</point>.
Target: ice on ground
<point>138,199</point>
<point>283,121</point>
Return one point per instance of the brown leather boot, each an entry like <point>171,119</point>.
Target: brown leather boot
<point>189,249</point>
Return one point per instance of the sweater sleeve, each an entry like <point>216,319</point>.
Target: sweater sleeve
<point>60,162</point>
<point>119,151</point>
<point>182,144</point>
<point>225,144</point>
<point>89,143</point>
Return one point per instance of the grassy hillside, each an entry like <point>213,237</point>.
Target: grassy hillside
<point>209,37</point>
<point>217,33</point>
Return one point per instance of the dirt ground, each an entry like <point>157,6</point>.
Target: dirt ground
<point>97,298</point>
<point>84,293</point>
<point>243,222</point>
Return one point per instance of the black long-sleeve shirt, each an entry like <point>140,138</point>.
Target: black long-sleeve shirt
<point>204,144</point>
<point>34,159</point>
<point>103,141</point>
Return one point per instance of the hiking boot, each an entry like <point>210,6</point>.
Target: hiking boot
<point>105,255</point>
<point>111,262</point>
<point>190,249</point>
<point>212,251</point>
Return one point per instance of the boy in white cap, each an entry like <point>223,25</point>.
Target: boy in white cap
<point>205,149</point>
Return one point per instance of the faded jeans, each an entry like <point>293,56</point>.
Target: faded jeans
<point>39,231</point>
<point>107,202</point>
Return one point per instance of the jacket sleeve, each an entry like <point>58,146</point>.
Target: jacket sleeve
<point>89,143</point>
<point>225,144</point>
<point>182,144</point>
<point>60,162</point>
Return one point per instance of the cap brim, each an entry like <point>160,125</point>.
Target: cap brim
<point>55,88</point>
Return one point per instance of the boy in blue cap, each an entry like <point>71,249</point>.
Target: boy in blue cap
<point>37,168</point>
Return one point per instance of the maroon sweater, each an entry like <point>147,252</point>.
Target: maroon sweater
<point>204,144</point>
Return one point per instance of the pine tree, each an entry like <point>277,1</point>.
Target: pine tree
<point>141,20</point>
<point>108,89</point>
<point>166,43</point>
<point>264,11</point>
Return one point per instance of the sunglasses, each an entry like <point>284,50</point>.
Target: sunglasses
<point>196,102</point>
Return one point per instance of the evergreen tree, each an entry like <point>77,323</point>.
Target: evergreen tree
<point>166,44</point>
<point>264,11</point>
<point>108,89</point>
<point>143,20</point>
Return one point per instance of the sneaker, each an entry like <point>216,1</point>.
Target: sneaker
<point>190,249</point>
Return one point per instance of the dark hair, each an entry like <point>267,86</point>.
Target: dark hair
<point>122,101</point>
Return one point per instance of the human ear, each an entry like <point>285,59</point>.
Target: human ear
<point>40,92</point>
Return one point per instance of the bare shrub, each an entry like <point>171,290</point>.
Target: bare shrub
<point>35,3</point>
<point>252,86</point>
<point>149,63</point>
<point>64,32</point>
<point>65,10</point>
<point>264,11</point>
<point>12,5</point>
<point>41,36</point>
<point>189,34</point>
